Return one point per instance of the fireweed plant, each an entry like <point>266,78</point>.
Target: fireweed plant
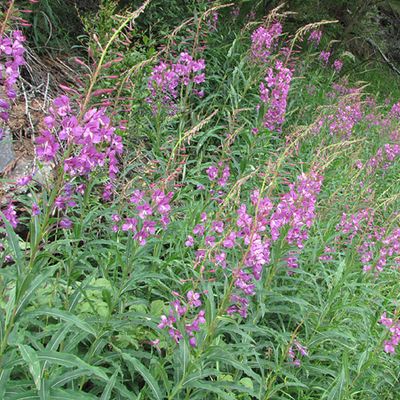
<point>249,250</point>
<point>12,58</point>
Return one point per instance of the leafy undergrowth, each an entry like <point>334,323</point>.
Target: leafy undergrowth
<point>222,223</point>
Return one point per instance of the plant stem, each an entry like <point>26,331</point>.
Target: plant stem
<point>6,18</point>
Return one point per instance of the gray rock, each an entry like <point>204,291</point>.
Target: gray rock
<point>6,150</point>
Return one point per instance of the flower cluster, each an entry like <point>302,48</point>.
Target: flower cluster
<point>324,56</point>
<point>11,59</point>
<point>328,254</point>
<point>390,345</point>
<point>352,224</point>
<point>64,202</point>
<point>395,110</point>
<point>389,249</point>
<point>295,352</point>
<point>315,37</point>
<point>379,248</point>
<point>167,79</point>
<point>377,119</point>
<point>347,115</point>
<point>151,212</point>
<point>342,89</point>
<point>274,94</point>
<point>383,158</point>
<point>212,21</point>
<point>262,40</point>
<point>256,245</point>
<point>250,237</point>
<point>185,314</point>
<point>258,225</point>
<point>90,141</point>
<point>219,173</point>
<point>297,209</point>
<point>337,65</point>
<point>11,215</point>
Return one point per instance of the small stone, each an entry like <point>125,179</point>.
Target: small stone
<point>7,154</point>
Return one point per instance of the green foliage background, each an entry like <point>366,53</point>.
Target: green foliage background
<point>78,321</point>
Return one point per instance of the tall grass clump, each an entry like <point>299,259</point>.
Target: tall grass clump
<point>221,220</point>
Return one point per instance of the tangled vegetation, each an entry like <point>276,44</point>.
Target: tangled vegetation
<point>220,219</point>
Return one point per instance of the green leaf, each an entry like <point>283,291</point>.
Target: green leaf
<point>64,359</point>
<point>338,388</point>
<point>4,378</point>
<point>44,391</point>
<point>106,395</point>
<point>363,360</point>
<point>247,382</point>
<point>69,361</point>
<point>206,386</point>
<point>30,357</point>
<point>25,396</point>
<point>10,307</point>
<point>183,355</point>
<point>216,354</point>
<point>225,378</point>
<point>13,242</point>
<point>61,394</point>
<point>65,316</point>
<point>150,380</point>
<point>156,308</point>
<point>196,376</point>
<point>63,379</point>
<point>33,286</point>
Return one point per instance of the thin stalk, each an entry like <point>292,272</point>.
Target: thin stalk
<point>97,71</point>
<point>7,17</point>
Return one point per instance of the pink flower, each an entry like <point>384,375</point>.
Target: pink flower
<point>229,241</point>
<point>66,223</point>
<point>315,37</point>
<point>193,299</point>
<point>12,54</point>
<point>324,56</point>
<point>297,209</point>
<point>262,40</point>
<point>136,197</point>
<point>220,258</point>
<point>274,94</point>
<point>389,346</point>
<point>46,146</point>
<point>217,226</point>
<point>337,65</point>
<point>175,334</point>
<point>144,210</point>
<point>199,78</point>
<point>212,173</point>
<point>164,322</point>
<point>199,230</point>
<point>296,351</point>
<point>130,224</point>
<point>35,209</point>
<point>62,105</point>
<point>25,180</point>
<point>92,138</point>
<point>210,241</point>
<point>225,176</point>
<point>167,79</point>
<point>11,215</point>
